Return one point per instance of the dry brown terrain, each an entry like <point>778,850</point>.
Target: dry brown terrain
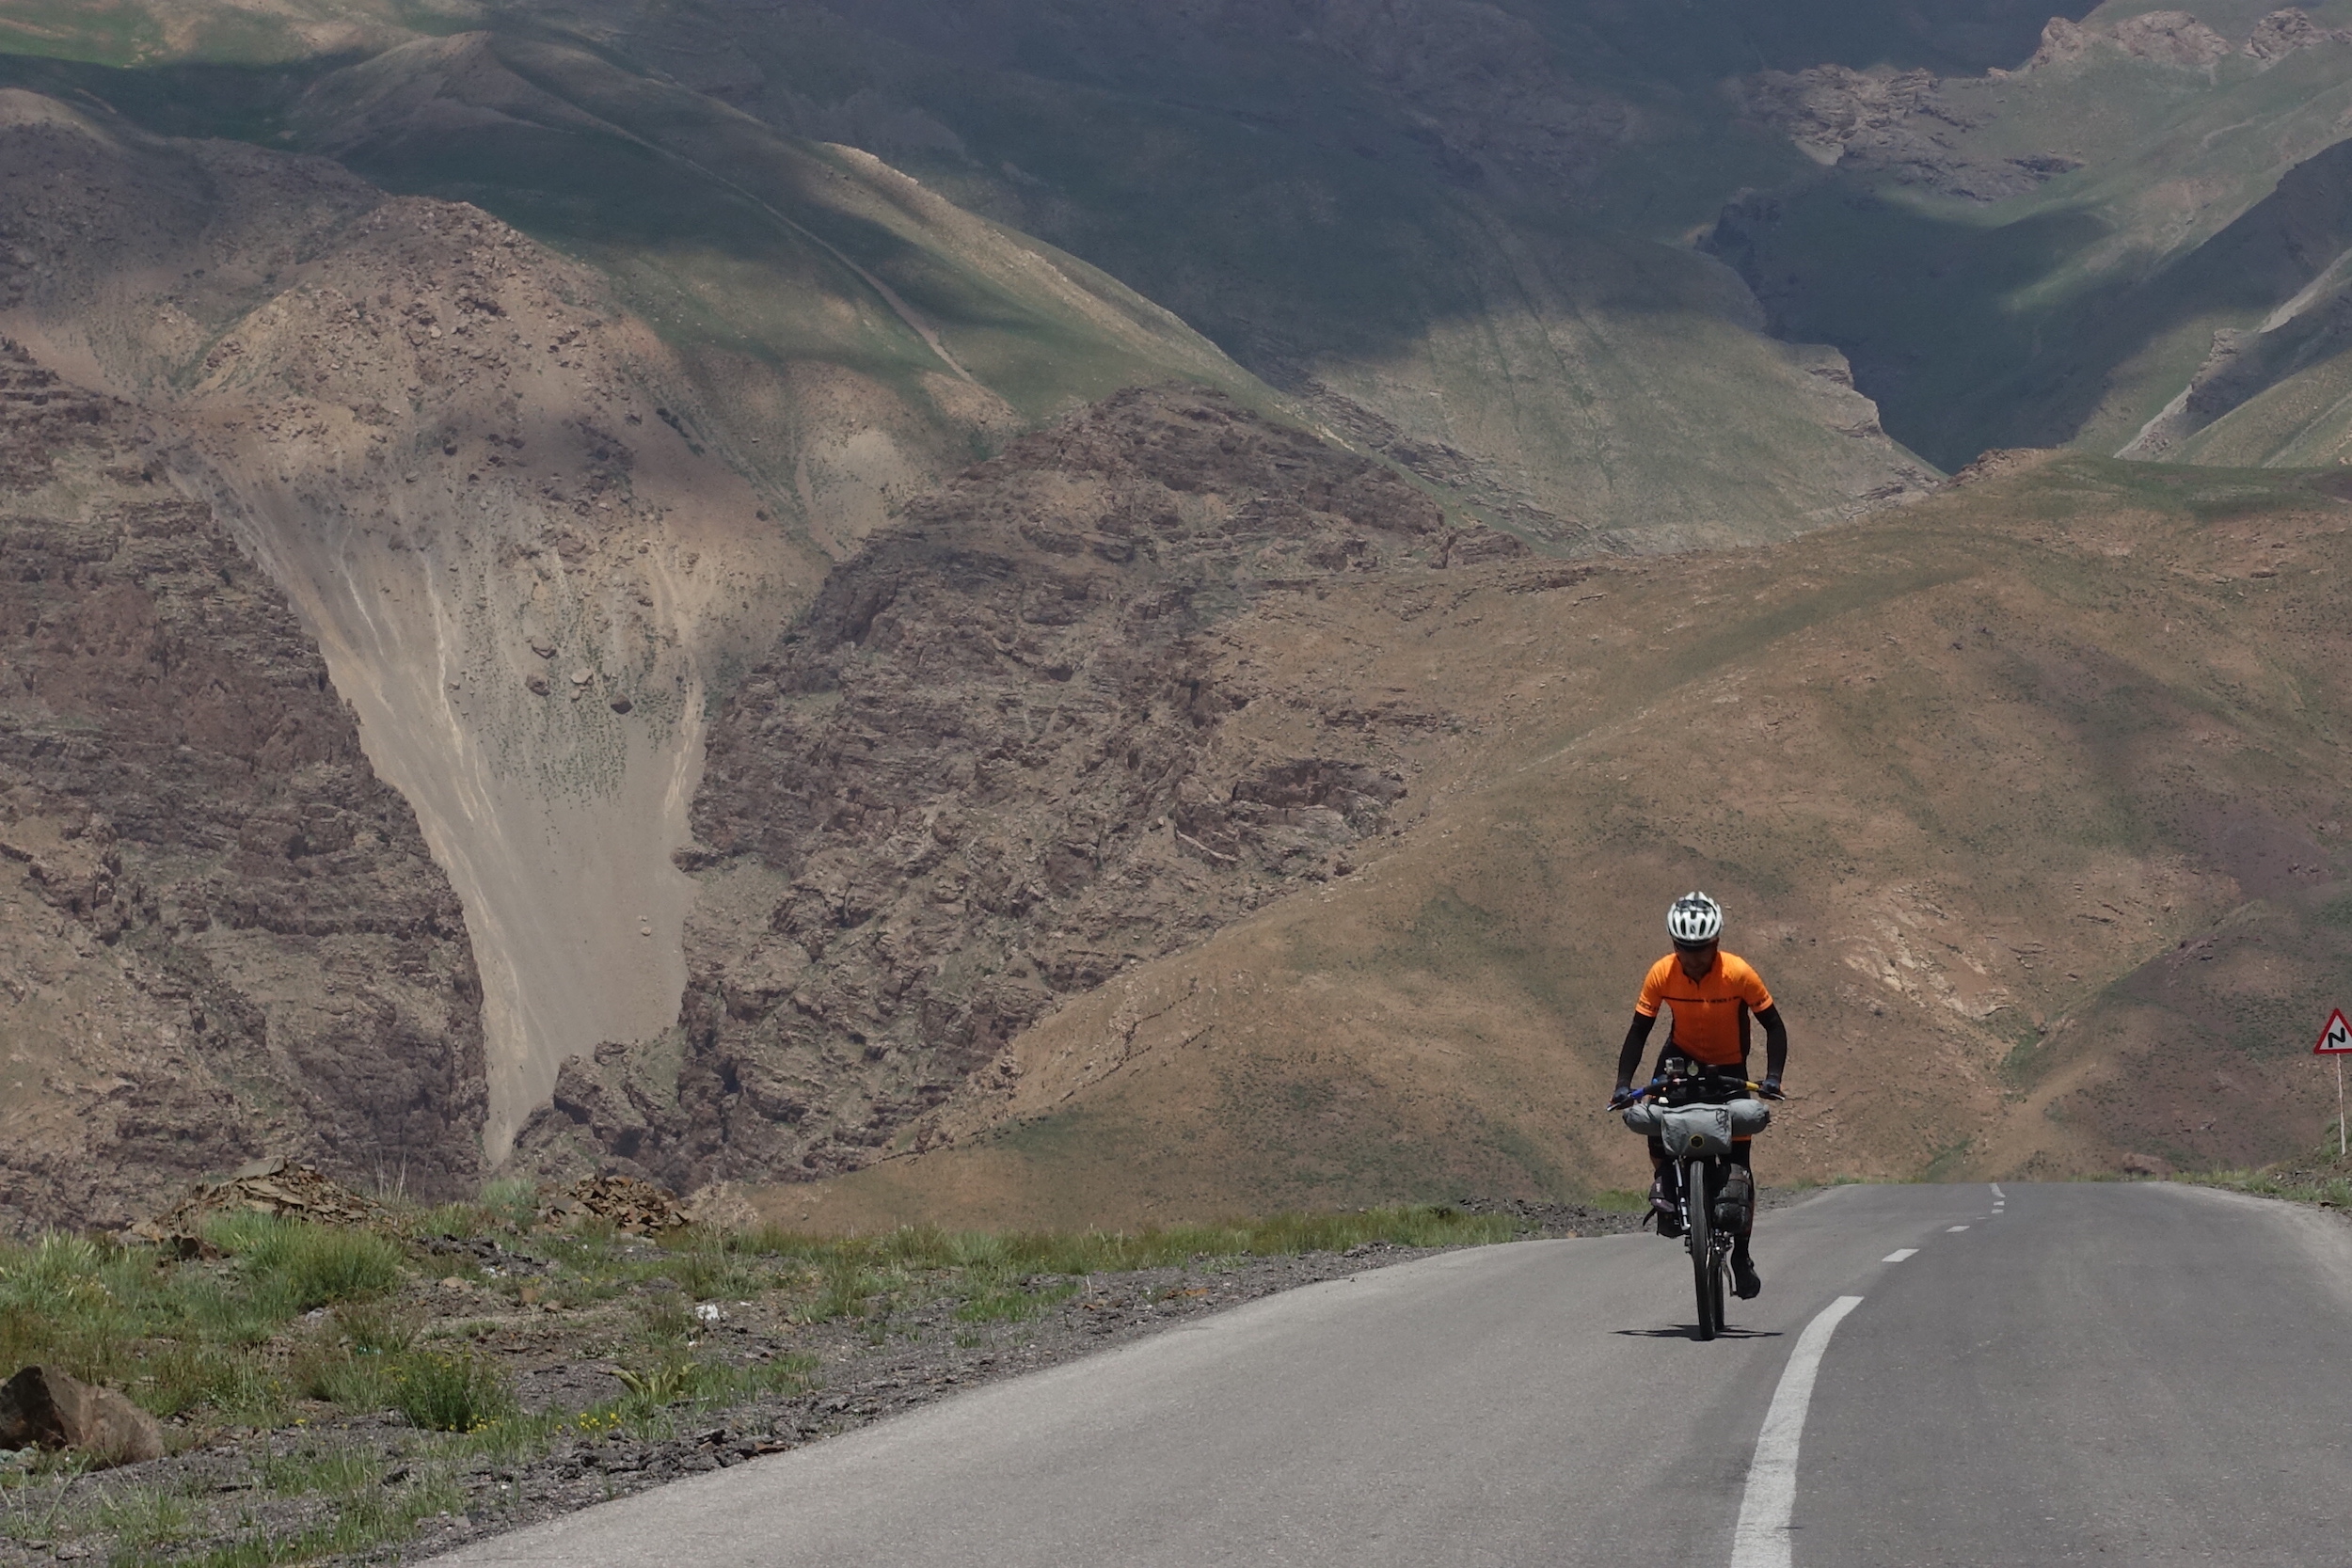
<point>2027,802</point>
<point>1174,815</point>
<point>1001,758</point>
<point>441,444</point>
<point>219,933</point>
<point>527,532</point>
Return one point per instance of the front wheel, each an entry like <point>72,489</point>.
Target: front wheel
<point>1717,1268</point>
<point>1705,1270</point>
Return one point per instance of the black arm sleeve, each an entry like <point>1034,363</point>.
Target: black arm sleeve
<point>1775,1041</point>
<point>1630,1054</point>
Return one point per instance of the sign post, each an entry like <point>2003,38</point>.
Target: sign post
<point>2336,1041</point>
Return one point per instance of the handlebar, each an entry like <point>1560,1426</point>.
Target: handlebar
<point>1656,1084</point>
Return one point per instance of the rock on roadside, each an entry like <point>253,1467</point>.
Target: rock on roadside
<point>42,1407</point>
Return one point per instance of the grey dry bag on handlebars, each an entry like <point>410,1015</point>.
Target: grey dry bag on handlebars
<point>1697,1131</point>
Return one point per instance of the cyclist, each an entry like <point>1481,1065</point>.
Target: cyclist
<point>1713,995</point>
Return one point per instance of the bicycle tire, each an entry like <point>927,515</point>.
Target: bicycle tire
<point>1699,1229</point>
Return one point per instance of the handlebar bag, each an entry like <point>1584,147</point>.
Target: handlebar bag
<point>1693,1131</point>
<point>1717,1125</point>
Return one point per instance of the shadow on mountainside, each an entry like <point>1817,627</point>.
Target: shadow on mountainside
<point>1475,209</point>
<point>1948,324</point>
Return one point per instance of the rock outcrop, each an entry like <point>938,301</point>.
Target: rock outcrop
<point>268,1186</point>
<point>622,1201</point>
<point>2286,32</point>
<point>42,1407</point>
<point>1900,123</point>
<point>990,768</point>
<point>218,931</point>
<point>2160,38</point>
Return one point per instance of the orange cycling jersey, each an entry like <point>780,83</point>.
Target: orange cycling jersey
<point>1711,1013</point>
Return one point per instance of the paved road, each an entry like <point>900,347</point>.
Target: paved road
<point>2141,1374</point>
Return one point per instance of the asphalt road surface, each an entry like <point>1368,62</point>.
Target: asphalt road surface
<point>2140,1375</point>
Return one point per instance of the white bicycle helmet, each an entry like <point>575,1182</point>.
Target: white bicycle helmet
<point>1693,919</point>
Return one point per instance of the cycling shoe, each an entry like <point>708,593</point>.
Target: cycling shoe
<point>1665,1207</point>
<point>1745,1282</point>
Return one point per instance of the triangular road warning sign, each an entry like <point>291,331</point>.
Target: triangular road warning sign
<point>2337,1038</point>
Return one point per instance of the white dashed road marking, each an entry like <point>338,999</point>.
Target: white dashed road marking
<point>1898,1257</point>
<point>1949,1228</point>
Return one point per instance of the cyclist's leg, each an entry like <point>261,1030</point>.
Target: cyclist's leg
<point>1742,1156</point>
<point>1746,1282</point>
<point>1664,1193</point>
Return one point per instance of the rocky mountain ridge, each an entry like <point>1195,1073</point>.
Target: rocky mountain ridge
<point>436,438</point>
<point>603,429</point>
<point>525,529</point>
<point>225,934</point>
<point>1000,759</point>
<point>2026,802</point>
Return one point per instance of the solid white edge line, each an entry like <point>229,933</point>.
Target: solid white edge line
<point>1761,1540</point>
<point>1899,1255</point>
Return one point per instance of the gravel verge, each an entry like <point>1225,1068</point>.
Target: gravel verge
<point>284,1484</point>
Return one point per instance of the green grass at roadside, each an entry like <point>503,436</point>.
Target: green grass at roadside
<point>1007,1277</point>
<point>220,1338</point>
<point>2328,1192</point>
<point>295,1327</point>
<point>2318,1176</point>
<point>1085,1252</point>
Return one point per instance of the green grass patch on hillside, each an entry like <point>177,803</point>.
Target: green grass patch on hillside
<point>306,1266</point>
<point>2072,311</point>
<point>121,33</point>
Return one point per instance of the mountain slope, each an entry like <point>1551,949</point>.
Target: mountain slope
<point>729,235</point>
<point>1455,232</point>
<point>1402,214</point>
<point>2045,255</point>
<point>530,530</point>
<point>223,936</point>
<point>427,431</point>
<point>1983,785</point>
<point>1006,754</point>
<point>561,363</point>
<point>2274,397</point>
